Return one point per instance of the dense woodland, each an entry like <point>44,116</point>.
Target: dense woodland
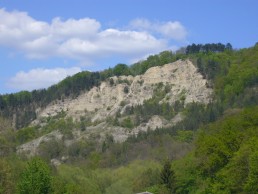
<point>213,150</point>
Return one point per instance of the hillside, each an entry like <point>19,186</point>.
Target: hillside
<point>173,123</point>
<point>178,82</point>
<point>180,78</point>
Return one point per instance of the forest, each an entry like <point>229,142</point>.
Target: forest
<point>212,150</point>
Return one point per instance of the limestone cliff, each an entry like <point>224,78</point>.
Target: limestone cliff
<point>116,94</point>
<point>106,99</point>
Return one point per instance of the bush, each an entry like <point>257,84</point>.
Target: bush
<point>36,178</point>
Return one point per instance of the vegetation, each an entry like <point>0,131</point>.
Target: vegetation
<point>167,177</point>
<point>212,150</point>
<point>35,178</point>
<point>24,103</point>
<point>224,158</point>
<point>206,48</point>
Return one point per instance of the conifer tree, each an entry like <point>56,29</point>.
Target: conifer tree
<point>167,176</point>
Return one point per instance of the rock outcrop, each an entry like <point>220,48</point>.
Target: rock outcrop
<point>117,94</point>
<point>107,99</point>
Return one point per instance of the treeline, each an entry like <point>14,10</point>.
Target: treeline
<point>162,58</point>
<point>232,74</point>
<point>205,48</point>
<point>21,107</point>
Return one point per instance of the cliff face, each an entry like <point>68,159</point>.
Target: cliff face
<point>117,94</point>
<point>113,96</point>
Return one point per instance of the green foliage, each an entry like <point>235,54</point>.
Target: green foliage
<point>206,48</point>
<point>51,149</point>
<point>188,178</point>
<point>109,140</point>
<point>127,179</point>
<point>36,178</point>
<point>185,135</point>
<point>155,60</point>
<point>119,187</point>
<point>126,89</point>
<point>159,189</point>
<point>58,122</point>
<point>6,182</point>
<point>60,186</point>
<point>133,178</point>
<point>81,149</point>
<point>111,81</point>
<point>76,180</point>
<point>26,134</point>
<point>5,124</point>
<point>242,74</point>
<point>251,185</point>
<point>225,157</point>
<point>167,176</point>
<point>7,142</point>
<point>121,69</point>
<point>217,144</point>
<point>232,73</point>
<point>155,145</point>
<point>127,123</point>
<point>24,103</point>
<point>66,126</point>
<point>147,179</point>
<point>154,106</point>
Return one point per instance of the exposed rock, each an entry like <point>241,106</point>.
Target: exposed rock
<point>106,100</point>
<point>31,148</point>
<point>185,83</point>
<point>55,162</point>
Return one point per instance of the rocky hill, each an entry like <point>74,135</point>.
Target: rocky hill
<point>180,82</point>
<point>114,133</point>
<point>105,100</point>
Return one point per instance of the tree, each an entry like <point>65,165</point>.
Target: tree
<point>36,178</point>
<point>229,47</point>
<point>2,102</point>
<point>167,176</point>
<point>111,82</point>
<point>121,69</point>
<point>126,89</point>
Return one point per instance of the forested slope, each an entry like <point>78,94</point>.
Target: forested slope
<point>212,150</point>
<point>24,104</point>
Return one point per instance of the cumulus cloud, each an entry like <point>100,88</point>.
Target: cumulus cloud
<point>82,28</point>
<point>83,39</point>
<point>172,30</point>
<point>40,78</point>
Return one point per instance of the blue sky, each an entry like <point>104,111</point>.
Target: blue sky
<point>42,42</point>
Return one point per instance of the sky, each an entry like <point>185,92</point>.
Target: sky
<point>42,42</point>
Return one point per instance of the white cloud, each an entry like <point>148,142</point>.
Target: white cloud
<point>141,24</point>
<point>128,42</point>
<point>40,78</point>
<point>82,28</point>
<point>172,30</point>
<point>83,39</point>
<point>17,27</point>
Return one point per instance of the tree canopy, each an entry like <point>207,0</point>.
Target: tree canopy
<point>36,178</point>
